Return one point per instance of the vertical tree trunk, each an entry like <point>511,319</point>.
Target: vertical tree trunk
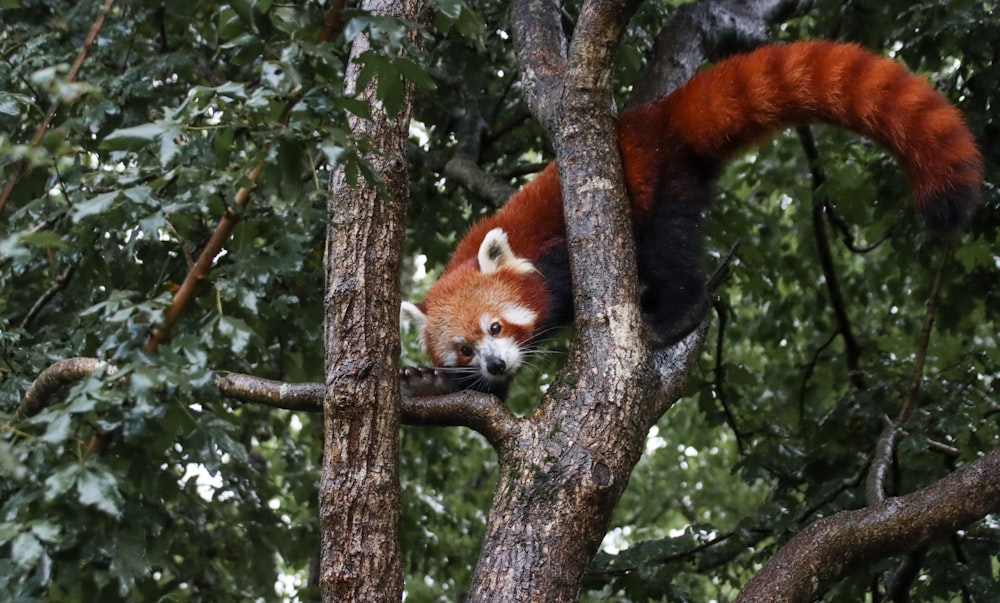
<point>561,478</point>
<point>359,488</point>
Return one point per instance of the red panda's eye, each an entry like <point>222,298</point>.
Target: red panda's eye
<point>495,329</point>
<point>465,350</point>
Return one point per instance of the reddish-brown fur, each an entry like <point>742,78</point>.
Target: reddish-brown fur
<point>722,111</point>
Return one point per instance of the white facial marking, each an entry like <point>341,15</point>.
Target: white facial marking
<point>519,315</point>
<point>502,348</point>
<point>485,321</point>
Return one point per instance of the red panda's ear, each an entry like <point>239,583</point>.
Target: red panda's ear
<point>416,314</point>
<point>495,253</point>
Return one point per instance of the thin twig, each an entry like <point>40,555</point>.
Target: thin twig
<point>853,350</point>
<point>923,343</point>
<point>199,272</point>
<point>61,281</point>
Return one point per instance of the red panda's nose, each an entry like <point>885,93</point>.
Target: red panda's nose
<point>495,365</point>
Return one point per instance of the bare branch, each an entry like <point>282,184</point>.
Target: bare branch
<point>831,547</point>
<point>910,396</point>
<point>707,30</point>
<point>674,364</point>
<point>852,348</point>
<point>482,413</point>
<point>306,397</point>
<point>52,380</point>
<point>885,452</point>
<point>478,181</point>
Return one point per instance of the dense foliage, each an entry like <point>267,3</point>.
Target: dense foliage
<point>200,498</point>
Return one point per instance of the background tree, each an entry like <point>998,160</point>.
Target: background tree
<point>181,115</point>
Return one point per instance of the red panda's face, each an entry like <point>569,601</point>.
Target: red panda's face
<point>480,317</point>
<point>484,324</point>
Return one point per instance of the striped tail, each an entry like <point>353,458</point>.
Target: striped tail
<point>744,99</point>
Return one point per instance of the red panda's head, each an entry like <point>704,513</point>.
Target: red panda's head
<point>481,315</point>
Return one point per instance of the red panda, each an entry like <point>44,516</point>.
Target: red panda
<point>509,282</point>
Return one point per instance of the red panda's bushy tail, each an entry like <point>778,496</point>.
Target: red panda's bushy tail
<point>743,99</point>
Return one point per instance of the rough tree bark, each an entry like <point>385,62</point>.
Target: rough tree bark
<point>359,487</point>
<point>830,548</point>
<point>564,470</point>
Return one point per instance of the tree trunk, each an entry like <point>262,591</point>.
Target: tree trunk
<point>359,488</point>
<point>562,475</point>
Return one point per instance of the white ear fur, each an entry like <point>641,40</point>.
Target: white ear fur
<point>495,253</point>
<point>415,313</point>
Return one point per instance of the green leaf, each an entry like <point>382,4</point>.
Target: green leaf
<point>61,481</point>
<point>57,431</point>
<point>415,73</point>
<point>46,531</point>
<point>450,8</point>
<point>134,138</point>
<point>99,489</point>
<point>94,205</point>
<point>290,19</point>
<point>472,25</point>
<point>26,550</point>
<point>43,238</point>
<point>236,331</point>
<point>12,104</point>
<point>390,91</point>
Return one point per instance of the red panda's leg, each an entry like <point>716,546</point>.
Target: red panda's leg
<point>669,253</point>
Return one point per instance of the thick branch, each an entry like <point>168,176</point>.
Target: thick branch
<point>359,491</point>
<point>483,413</point>
<point>463,170</point>
<point>707,30</point>
<point>52,380</point>
<point>830,548</point>
<point>307,397</point>
<point>541,50</point>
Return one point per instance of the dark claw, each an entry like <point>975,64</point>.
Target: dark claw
<point>423,381</point>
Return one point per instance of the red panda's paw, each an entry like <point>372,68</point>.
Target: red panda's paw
<point>671,324</point>
<point>421,381</point>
